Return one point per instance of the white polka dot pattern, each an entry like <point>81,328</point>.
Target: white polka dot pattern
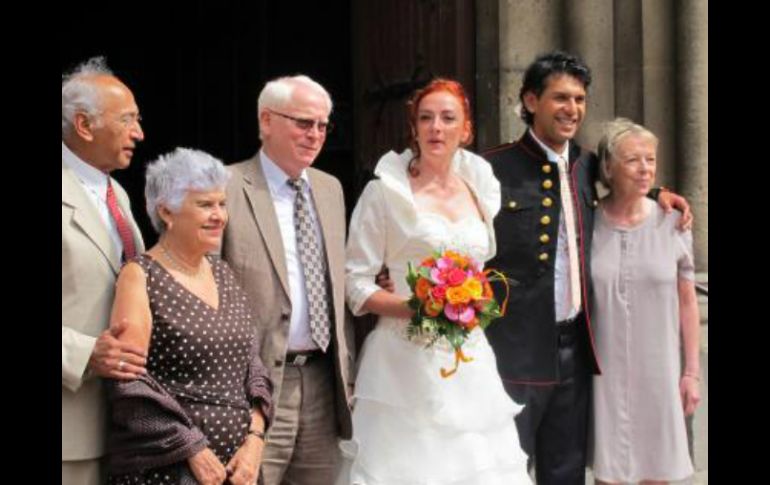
<point>201,355</point>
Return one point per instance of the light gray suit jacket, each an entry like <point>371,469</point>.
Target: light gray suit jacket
<point>254,249</point>
<point>89,268</point>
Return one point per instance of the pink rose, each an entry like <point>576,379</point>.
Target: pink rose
<point>445,263</point>
<point>465,314</point>
<point>452,312</point>
<point>456,277</point>
<point>468,315</point>
<point>438,276</point>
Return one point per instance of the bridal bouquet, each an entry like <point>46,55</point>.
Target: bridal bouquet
<point>452,295</point>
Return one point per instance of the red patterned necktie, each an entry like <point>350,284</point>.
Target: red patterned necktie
<point>129,250</point>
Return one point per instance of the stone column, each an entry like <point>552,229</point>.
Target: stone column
<point>589,34</point>
<point>527,28</point>
<point>692,117</point>
<point>628,37</point>
<point>659,73</point>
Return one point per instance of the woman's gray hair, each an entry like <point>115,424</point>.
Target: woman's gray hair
<point>172,175</point>
<point>277,93</point>
<point>613,132</point>
<point>78,95</point>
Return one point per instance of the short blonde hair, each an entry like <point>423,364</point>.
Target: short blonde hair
<point>613,132</point>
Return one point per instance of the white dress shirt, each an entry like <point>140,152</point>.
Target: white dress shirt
<point>562,302</point>
<point>283,201</point>
<point>94,182</point>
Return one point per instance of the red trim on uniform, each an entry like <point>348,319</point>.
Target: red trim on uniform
<point>537,156</point>
<point>584,288</point>
<point>499,147</point>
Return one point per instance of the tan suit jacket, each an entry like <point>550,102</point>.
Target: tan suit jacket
<point>89,268</point>
<point>254,249</point>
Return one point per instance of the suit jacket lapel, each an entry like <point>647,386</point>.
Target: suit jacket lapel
<point>258,195</point>
<point>86,217</point>
<point>323,208</point>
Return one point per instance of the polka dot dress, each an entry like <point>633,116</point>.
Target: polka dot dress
<point>201,356</point>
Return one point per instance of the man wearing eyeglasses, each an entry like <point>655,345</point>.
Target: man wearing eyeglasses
<point>100,129</point>
<point>285,242</point>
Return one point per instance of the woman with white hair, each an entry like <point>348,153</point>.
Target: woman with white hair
<point>644,298</point>
<point>200,413</point>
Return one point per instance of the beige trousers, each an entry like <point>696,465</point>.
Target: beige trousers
<point>302,445</point>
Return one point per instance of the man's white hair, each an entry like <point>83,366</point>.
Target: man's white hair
<point>277,93</point>
<point>78,95</point>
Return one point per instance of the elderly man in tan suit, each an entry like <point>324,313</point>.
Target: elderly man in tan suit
<point>100,128</point>
<point>285,241</point>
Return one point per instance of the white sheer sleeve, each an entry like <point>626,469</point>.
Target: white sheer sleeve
<point>366,246</point>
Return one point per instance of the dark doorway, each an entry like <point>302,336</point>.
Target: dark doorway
<point>398,46</point>
<point>196,69</point>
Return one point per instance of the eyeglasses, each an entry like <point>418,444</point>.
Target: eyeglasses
<point>306,124</point>
<point>129,120</point>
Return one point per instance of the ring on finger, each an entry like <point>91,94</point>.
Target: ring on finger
<point>121,363</point>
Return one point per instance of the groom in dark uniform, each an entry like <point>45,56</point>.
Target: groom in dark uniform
<point>544,344</point>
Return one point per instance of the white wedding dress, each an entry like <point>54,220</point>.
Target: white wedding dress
<point>410,425</point>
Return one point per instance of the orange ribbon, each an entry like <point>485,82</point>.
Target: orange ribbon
<point>504,306</point>
<point>459,356</point>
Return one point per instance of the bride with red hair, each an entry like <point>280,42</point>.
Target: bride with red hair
<point>410,424</point>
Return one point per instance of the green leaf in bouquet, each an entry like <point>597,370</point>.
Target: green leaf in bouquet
<point>491,308</point>
<point>484,321</point>
<point>430,325</point>
<point>455,336</point>
<point>415,304</point>
<point>424,272</point>
<point>411,275</point>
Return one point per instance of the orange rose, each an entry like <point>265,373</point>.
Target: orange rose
<point>428,262</point>
<point>458,295</point>
<point>488,293</point>
<point>457,258</point>
<point>474,288</point>
<point>422,288</point>
<point>433,308</point>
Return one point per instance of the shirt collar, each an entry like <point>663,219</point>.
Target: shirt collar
<point>552,155</point>
<point>276,177</point>
<point>91,177</point>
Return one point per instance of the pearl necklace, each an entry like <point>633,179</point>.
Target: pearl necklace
<point>177,265</point>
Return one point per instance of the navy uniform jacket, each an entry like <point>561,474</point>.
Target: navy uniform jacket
<point>525,339</point>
